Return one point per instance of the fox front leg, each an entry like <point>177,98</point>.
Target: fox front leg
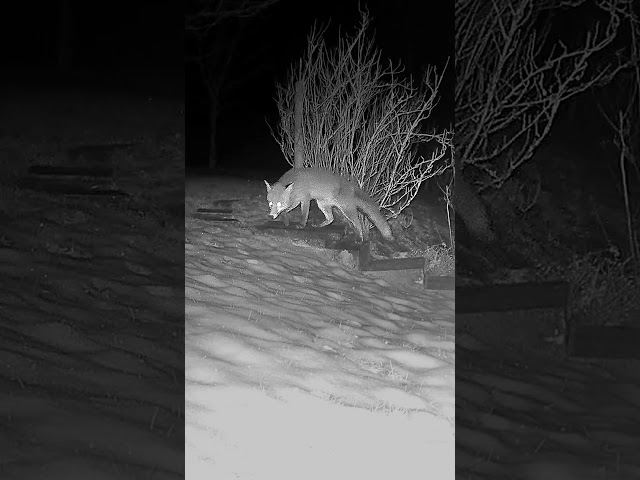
<point>304,207</point>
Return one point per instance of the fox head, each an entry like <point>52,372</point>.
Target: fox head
<point>278,198</point>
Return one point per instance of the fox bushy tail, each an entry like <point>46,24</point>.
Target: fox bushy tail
<point>370,208</point>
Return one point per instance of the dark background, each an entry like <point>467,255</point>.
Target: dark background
<point>141,47</point>
<point>415,33</point>
<point>112,44</point>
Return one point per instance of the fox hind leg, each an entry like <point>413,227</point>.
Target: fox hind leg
<point>325,208</point>
<point>352,215</point>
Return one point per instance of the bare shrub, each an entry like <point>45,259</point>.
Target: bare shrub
<point>511,79</point>
<point>360,118</point>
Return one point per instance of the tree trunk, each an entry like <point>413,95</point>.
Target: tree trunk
<point>214,65</point>
<point>298,159</point>
<point>213,147</point>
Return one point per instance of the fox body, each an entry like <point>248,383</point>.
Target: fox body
<point>301,185</point>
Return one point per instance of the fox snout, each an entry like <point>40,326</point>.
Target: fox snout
<point>275,209</point>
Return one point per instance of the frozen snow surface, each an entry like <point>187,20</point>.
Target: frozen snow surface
<point>91,357</point>
<point>544,416</point>
<point>300,368</point>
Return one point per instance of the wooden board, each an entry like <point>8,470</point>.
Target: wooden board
<point>70,171</point>
<point>439,283</point>
<point>226,211</point>
<point>604,342</point>
<point>414,263</point>
<point>215,217</point>
<point>346,242</point>
<point>294,230</point>
<point>521,296</point>
<point>223,213</point>
<point>370,264</point>
<point>68,188</point>
<point>295,227</point>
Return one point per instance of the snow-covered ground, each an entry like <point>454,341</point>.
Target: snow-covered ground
<point>541,416</point>
<point>91,318</point>
<point>90,345</point>
<point>298,367</point>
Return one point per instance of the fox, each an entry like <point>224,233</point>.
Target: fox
<point>299,186</point>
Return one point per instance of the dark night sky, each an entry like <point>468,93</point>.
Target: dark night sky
<point>141,44</point>
<point>109,33</point>
<point>416,33</point>
<point>110,38</point>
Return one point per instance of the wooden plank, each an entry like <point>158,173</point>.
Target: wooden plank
<point>215,210</point>
<point>62,170</point>
<point>366,263</point>
<point>103,146</point>
<point>369,264</point>
<point>214,217</point>
<point>295,227</point>
<point>439,283</point>
<point>500,298</point>
<point>592,341</point>
<point>413,263</point>
<point>67,188</point>
<point>293,231</point>
<point>97,192</point>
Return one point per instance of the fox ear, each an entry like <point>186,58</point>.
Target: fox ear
<point>287,192</point>
<point>268,186</point>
